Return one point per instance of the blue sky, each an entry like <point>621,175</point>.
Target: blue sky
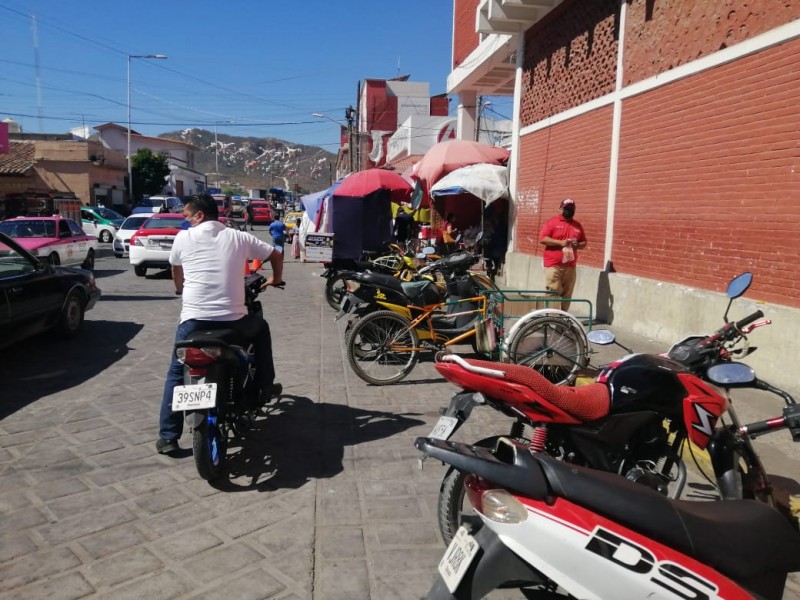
<point>265,65</point>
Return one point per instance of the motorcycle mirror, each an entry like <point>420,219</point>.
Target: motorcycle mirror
<point>731,375</point>
<point>738,285</point>
<point>601,337</point>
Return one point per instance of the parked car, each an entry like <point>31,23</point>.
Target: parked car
<point>262,211</point>
<point>224,204</point>
<point>101,222</point>
<point>154,204</point>
<point>35,296</point>
<point>238,208</point>
<point>126,230</point>
<point>56,240</point>
<point>150,245</point>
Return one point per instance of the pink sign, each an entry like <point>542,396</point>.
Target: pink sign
<point>3,138</point>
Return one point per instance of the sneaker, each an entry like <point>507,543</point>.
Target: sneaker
<point>167,446</point>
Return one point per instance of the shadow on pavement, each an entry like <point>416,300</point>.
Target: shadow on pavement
<point>45,365</point>
<point>300,440</point>
<point>130,297</point>
<point>101,273</point>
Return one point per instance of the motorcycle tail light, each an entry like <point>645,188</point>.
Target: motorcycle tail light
<point>198,357</point>
<point>495,504</point>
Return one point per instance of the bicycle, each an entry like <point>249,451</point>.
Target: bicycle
<point>383,347</point>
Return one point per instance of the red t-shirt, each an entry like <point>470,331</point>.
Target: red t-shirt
<point>560,228</point>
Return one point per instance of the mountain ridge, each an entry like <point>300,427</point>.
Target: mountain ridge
<point>261,163</point>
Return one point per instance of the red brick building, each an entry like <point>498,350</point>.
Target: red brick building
<point>674,125</point>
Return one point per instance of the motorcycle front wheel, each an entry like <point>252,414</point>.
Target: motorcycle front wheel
<point>209,447</point>
<point>381,349</point>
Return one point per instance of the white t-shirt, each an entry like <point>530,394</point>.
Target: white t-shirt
<point>213,258</point>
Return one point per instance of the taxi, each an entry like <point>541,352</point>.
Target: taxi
<point>290,220</point>
<point>55,240</point>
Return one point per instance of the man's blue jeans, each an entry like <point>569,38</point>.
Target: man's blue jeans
<point>253,328</point>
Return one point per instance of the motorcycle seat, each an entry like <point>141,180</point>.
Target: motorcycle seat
<point>518,384</point>
<point>379,279</point>
<point>742,539</point>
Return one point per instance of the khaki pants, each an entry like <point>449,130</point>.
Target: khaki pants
<point>560,281</point>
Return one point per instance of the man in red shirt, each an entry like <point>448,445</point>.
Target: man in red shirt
<point>561,237</point>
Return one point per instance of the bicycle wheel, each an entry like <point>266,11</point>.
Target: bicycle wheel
<point>380,348</point>
<point>554,346</point>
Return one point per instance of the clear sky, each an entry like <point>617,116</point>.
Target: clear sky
<point>264,65</point>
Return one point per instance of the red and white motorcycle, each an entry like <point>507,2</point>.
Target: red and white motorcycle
<point>560,528</point>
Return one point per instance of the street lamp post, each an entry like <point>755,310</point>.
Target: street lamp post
<point>130,167</point>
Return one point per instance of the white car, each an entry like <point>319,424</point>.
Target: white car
<point>150,245</point>
<point>126,230</point>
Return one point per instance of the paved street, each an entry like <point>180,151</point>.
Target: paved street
<point>325,500</point>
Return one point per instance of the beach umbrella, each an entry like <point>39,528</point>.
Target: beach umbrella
<point>445,157</point>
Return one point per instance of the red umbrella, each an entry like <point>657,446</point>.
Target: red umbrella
<point>363,183</point>
<point>444,157</point>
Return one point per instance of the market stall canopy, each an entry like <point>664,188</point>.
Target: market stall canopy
<point>364,183</point>
<point>445,157</point>
<point>484,181</point>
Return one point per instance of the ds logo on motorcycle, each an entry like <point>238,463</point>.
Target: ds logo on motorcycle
<point>674,578</point>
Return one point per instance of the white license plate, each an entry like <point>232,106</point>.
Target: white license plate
<point>457,558</point>
<point>194,397</point>
<point>444,428</point>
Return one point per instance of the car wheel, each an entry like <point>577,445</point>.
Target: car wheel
<point>140,270</point>
<point>89,262</point>
<point>71,317</point>
<point>53,259</point>
<point>106,237</point>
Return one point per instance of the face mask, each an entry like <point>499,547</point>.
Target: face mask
<point>193,220</point>
<point>568,212</point>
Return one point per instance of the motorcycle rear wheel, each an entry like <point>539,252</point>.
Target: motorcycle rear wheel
<point>554,346</point>
<point>453,501</point>
<point>373,348</point>
<point>209,447</point>
<point>335,289</point>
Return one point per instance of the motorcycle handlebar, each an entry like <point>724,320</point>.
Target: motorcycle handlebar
<point>749,319</point>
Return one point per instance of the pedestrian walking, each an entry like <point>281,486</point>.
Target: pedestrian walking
<point>249,210</point>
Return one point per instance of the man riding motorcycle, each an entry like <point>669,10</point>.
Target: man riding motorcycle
<point>207,268</point>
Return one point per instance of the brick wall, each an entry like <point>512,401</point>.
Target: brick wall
<point>664,34</point>
<point>570,58</point>
<point>465,38</point>
<point>709,179</point>
<point>570,159</point>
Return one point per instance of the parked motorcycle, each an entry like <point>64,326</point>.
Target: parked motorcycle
<point>396,263</point>
<point>632,421</point>
<point>562,530</point>
<point>220,391</point>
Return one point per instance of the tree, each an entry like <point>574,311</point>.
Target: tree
<point>150,172</point>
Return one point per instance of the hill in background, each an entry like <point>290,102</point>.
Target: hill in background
<point>249,162</point>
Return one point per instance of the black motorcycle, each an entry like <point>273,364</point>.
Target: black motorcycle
<point>220,392</point>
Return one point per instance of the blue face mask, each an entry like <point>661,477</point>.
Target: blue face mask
<point>192,220</point>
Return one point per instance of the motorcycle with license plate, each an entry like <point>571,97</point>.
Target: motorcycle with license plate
<point>220,391</point>
<point>632,421</point>
<point>559,530</point>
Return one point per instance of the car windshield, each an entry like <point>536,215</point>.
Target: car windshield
<point>29,228</point>
<point>107,213</point>
<point>164,223</point>
<point>133,222</point>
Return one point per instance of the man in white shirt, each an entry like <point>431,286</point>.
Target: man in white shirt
<point>208,262</point>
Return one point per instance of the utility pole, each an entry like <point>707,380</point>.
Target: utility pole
<point>349,115</point>
<point>478,119</point>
